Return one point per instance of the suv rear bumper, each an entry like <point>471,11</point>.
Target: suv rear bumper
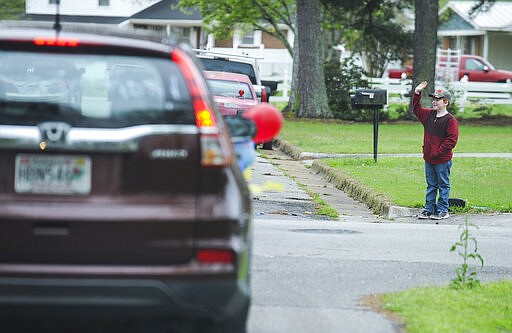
<point>113,298</point>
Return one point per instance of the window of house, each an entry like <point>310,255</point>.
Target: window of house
<point>452,44</point>
<point>151,27</point>
<point>103,2</point>
<point>183,33</point>
<point>248,39</point>
<point>471,44</point>
<point>53,2</point>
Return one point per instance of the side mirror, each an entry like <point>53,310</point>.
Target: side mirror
<point>485,68</point>
<point>240,126</point>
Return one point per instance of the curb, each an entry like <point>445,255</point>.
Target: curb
<point>355,189</point>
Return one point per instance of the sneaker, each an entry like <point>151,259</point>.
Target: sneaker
<point>424,215</point>
<point>440,216</point>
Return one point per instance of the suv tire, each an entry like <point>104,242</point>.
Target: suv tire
<point>267,145</point>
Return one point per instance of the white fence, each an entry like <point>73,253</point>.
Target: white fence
<point>464,92</point>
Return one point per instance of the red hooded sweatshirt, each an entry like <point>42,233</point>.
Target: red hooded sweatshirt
<point>440,134</point>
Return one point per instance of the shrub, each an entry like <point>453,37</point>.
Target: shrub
<point>342,78</point>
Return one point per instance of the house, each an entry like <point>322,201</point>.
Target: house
<point>487,34</point>
<point>142,14</point>
<point>163,16</point>
<point>100,12</point>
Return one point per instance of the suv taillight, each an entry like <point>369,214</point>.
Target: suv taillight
<point>216,150</point>
<point>52,41</point>
<point>264,95</point>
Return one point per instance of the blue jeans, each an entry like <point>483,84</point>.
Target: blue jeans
<point>438,180</point>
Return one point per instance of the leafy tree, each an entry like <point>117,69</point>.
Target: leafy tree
<point>12,9</point>
<point>379,37</point>
<point>481,6</point>
<point>372,28</point>
<point>308,97</point>
<point>222,17</point>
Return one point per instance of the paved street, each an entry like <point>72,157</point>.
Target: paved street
<point>310,274</point>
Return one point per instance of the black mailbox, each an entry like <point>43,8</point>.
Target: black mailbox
<point>369,98</point>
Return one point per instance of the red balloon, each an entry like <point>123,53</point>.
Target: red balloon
<point>268,120</point>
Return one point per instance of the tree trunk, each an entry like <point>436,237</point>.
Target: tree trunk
<point>425,46</point>
<point>312,94</point>
<point>293,101</point>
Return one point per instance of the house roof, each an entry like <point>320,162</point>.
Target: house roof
<point>166,10</point>
<point>497,18</point>
<point>161,11</point>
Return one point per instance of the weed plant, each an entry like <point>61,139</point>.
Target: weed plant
<point>467,249</point>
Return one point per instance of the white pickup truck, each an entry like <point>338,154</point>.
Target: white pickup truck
<point>234,63</point>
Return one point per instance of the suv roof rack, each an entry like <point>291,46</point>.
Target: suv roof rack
<point>226,55</point>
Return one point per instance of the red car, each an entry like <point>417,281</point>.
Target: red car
<point>474,67</point>
<point>400,73</point>
<point>124,211</point>
<point>233,93</point>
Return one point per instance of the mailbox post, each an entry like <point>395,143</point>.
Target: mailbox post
<point>371,99</point>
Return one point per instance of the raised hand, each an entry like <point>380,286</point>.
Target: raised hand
<point>420,87</point>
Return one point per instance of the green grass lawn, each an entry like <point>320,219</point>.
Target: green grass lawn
<point>483,182</point>
<point>348,138</point>
<point>487,308</point>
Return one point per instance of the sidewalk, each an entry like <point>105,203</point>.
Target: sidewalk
<point>324,181</point>
<point>299,171</point>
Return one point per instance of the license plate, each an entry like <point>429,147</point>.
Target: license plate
<point>52,174</point>
<point>230,105</point>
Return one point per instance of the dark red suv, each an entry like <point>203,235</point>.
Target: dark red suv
<point>123,207</point>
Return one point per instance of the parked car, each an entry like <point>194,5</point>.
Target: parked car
<point>233,93</point>
<point>233,63</point>
<point>400,73</point>
<point>475,68</point>
<point>120,214</point>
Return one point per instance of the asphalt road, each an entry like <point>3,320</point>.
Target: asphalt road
<point>309,274</point>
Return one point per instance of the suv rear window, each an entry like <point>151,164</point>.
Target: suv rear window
<point>222,65</point>
<point>230,88</point>
<point>91,90</point>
